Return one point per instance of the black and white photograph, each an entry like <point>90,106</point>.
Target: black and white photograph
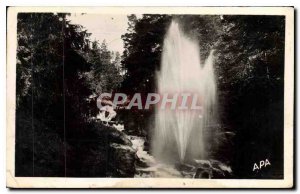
<point>150,97</point>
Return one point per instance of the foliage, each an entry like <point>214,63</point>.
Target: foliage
<point>105,75</point>
<point>143,46</point>
<point>53,90</point>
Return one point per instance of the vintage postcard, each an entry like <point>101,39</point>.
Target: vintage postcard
<point>150,97</point>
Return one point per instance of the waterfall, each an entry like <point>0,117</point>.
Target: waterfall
<point>179,134</point>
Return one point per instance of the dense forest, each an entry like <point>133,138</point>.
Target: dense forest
<point>60,72</point>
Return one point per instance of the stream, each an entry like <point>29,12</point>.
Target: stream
<point>147,166</point>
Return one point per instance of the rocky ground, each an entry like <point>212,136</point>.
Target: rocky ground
<point>147,166</point>
<point>127,157</point>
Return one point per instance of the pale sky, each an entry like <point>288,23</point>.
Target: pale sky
<point>108,27</point>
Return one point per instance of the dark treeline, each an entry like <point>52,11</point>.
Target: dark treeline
<point>60,71</point>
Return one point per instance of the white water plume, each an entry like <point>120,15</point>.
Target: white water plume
<point>179,134</point>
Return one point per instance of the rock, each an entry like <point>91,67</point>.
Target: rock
<point>115,136</point>
<point>147,172</point>
<point>147,146</point>
<point>119,127</point>
<point>203,163</point>
<point>203,173</point>
<point>185,167</point>
<point>212,169</point>
<point>221,166</point>
<point>188,174</point>
<point>122,160</point>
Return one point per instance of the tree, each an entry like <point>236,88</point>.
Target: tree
<point>141,58</point>
<point>50,83</point>
<point>117,61</point>
<point>105,76</point>
<point>250,64</point>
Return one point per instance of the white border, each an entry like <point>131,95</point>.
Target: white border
<point>18,182</point>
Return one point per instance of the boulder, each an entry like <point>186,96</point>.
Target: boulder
<point>112,135</point>
<point>121,160</point>
<point>212,169</point>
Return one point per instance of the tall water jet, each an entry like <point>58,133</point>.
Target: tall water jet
<point>179,134</point>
